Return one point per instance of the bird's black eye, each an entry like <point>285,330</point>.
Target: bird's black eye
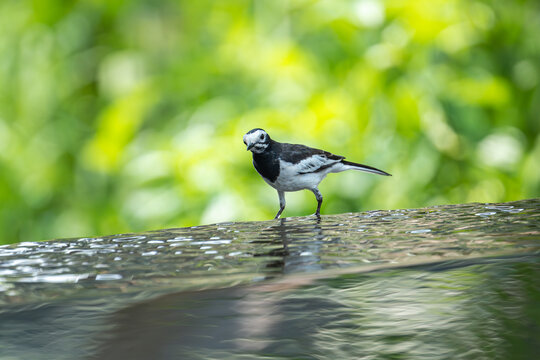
<point>262,136</point>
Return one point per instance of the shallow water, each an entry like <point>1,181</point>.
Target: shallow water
<point>436,283</point>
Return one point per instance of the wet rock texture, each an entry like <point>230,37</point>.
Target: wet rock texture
<point>454,281</point>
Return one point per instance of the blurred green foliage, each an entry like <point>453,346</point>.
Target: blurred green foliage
<point>122,116</point>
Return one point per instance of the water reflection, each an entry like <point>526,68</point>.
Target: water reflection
<point>467,310</point>
<point>295,243</point>
<point>380,284</point>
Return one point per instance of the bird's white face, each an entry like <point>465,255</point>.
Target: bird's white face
<point>257,140</point>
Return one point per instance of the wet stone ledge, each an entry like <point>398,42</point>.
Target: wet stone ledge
<point>444,282</point>
<point>228,254</point>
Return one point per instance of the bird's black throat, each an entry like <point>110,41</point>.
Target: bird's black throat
<point>267,162</point>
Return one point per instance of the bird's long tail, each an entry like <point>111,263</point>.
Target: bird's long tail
<point>365,168</point>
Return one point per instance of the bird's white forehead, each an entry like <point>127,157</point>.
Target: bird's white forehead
<point>254,136</point>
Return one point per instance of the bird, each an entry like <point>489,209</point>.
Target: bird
<point>293,167</point>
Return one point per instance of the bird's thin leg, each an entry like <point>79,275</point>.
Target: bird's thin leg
<point>318,196</point>
<point>281,203</point>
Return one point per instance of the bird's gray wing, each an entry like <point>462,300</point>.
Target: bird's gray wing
<point>308,160</point>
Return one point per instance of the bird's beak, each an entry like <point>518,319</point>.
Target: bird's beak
<point>250,146</point>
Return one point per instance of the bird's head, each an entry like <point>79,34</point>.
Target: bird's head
<point>257,140</point>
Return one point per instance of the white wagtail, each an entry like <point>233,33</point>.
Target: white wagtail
<point>293,167</point>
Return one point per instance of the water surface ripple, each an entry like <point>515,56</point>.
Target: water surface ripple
<point>442,282</point>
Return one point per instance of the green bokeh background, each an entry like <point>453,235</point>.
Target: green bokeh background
<point>121,116</point>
